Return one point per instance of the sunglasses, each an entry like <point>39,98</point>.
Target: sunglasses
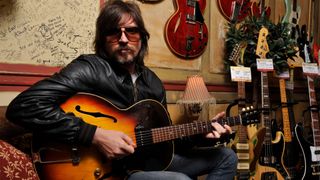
<point>132,34</point>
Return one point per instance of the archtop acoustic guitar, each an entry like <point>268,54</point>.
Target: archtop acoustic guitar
<point>147,122</point>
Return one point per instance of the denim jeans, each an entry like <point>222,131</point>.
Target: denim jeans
<point>217,163</point>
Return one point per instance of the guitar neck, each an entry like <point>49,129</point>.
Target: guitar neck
<point>183,130</point>
<point>266,106</point>
<point>314,112</point>
<point>285,112</point>
<point>242,130</point>
<point>290,95</point>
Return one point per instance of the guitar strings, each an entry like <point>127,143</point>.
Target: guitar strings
<point>147,137</point>
<point>156,135</point>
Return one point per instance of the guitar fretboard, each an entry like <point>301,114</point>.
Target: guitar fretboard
<point>242,130</point>
<point>285,111</point>
<point>314,111</point>
<point>266,106</point>
<point>157,135</point>
<point>183,130</point>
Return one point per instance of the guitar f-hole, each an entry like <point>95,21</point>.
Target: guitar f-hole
<point>96,114</point>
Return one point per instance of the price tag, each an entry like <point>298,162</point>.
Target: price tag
<point>283,75</point>
<point>310,68</point>
<point>289,85</point>
<point>239,73</point>
<point>264,65</point>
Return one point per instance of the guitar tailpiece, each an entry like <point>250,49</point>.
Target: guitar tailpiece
<point>75,156</point>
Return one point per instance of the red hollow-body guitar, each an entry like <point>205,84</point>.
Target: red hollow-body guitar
<point>227,9</point>
<point>146,122</point>
<point>186,34</point>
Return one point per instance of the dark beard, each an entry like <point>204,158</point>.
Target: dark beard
<point>121,63</point>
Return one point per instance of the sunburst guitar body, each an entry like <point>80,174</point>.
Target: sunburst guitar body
<point>148,124</point>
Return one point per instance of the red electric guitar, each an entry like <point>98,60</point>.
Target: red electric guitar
<point>227,8</point>
<point>259,9</point>
<point>316,50</point>
<point>186,34</point>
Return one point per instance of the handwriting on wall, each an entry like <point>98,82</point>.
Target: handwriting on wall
<point>46,32</point>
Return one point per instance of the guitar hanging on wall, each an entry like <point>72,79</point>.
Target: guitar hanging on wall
<point>259,9</point>
<point>226,8</point>
<point>185,33</point>
<point>292,16</point>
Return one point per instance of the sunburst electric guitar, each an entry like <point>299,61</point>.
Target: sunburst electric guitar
<point>241,145</point>
<point>146,122</point>
<point>268,166</point>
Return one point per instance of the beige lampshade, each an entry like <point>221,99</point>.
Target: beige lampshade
<point>196,91</point>
<point>196,96</point>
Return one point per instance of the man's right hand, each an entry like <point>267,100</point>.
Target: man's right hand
<point>113,144</point>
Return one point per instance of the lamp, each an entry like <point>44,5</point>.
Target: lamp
<point>196,98</point>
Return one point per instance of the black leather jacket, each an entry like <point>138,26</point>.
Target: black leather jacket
<point>38,108</point>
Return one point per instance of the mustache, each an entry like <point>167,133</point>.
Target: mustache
<point>124,48</point>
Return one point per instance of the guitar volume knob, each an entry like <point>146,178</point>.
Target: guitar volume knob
<point>97,172</point>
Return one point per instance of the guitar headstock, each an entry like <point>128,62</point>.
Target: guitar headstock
<point>262,44</point>
<point>250,115</point>
<point>237,53</point>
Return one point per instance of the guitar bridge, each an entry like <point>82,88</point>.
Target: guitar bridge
<point>191,19</point>
<point>315,169</point>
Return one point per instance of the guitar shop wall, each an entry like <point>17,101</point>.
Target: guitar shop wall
<point>39,37</point>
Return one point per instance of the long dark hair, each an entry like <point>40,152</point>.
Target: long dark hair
<point>110,15</point>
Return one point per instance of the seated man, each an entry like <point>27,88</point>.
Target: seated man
<point>116,72</point>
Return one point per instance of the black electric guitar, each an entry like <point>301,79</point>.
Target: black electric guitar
<point>310,151</point>
<point>269,166</point>
<point>291,159</point>
<point>146,122</point>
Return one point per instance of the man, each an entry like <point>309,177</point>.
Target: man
<point>117,73</point>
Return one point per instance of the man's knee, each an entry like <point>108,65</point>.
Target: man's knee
<point>231,159</point>
<point>158,175</point>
